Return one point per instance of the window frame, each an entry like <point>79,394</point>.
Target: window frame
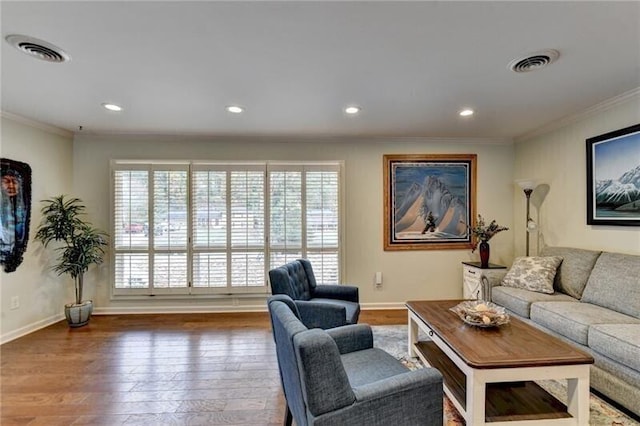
<point>190,291</point>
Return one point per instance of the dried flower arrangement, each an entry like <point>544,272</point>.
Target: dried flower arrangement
<point>483,232</point>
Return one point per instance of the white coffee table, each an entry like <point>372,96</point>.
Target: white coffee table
<point>489,372</point>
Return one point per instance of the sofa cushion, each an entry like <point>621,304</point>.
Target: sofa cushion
<point>573,273</point>
<point>615,283</point>
<point>519,301</point>
<point>533,273</point>
<point>620,342</point>
<point>572,320</point>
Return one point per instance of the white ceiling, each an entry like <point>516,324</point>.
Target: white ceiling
<point>411,66</point>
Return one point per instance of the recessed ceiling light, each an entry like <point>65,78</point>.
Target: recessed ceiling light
<point>235,109</point>
<point>466,112</point>
<point>352,109</point>
<point>112,107</point>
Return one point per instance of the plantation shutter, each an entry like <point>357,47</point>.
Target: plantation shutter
<point>285,214</point>
<point>247,228</point>
<point>322,215</point>
<point>228,218</point>
<point>210,231</point>
<point>170,224</point>
<point>203,228</point>
<point>130,214</point>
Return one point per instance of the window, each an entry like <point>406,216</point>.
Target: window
<point>196,228</point>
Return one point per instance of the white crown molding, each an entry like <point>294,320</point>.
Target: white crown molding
<point>211,137</point>
<point>573,118</point>
<point>28,329</point>
<point>37,124</point>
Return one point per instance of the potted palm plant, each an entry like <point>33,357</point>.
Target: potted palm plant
<point>81,245</point>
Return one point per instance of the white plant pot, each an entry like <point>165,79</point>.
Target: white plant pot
<point>78,314</point>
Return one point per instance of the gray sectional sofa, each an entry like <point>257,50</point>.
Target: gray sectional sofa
<point>596,306</point>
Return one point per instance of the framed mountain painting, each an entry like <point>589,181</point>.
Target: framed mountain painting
<point>429,199</point>
<point>613,178</point>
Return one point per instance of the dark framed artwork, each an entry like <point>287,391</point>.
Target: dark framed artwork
<point>613,178</point>
<point>428,201</point>
<point>15,212</point>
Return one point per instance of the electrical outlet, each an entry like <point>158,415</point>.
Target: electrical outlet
<point>378,278</point>
<point>15,302</point>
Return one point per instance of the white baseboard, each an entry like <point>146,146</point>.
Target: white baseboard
<point>181,309</point>
<point>382,306</point>
<point>23,331</point>
<point>12,335</point>
<point>186,309</point>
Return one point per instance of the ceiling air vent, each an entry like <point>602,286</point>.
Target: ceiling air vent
<point>534,61</point>
<point>38,48</point>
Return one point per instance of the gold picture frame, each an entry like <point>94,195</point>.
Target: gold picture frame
<point>429,199</point>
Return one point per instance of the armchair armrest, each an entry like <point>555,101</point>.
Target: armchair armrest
<point>342,292</point>
<point>321,315</point>
<point>325,384</point>
<point>351,338</point>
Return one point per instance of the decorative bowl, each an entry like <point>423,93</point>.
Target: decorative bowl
<point>481,314</point>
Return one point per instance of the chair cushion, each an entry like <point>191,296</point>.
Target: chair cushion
<point>620,342</point>
<point>573,273</point>
<point>370,365</point>
<point>533,273</point>
<point>614,283</point>
<point>572,320</point>
<point>352,308</point>
<point>519,301</point>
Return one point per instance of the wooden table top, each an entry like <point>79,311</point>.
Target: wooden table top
<point>515,344</point>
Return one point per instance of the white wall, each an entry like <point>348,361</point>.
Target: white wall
<point>407,275</point>
<point>42,294</point>
<point>558,158</point>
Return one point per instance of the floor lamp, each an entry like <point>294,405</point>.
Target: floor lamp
<point>528,186</point>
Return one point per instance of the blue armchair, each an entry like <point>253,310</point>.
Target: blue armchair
<point>320,306</point>
<point>336,377</point>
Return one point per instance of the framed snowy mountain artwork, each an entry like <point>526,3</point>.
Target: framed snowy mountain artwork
<point>428,201</point>
<point>613,178</point>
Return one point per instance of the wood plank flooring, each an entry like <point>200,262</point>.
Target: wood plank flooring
<point>177,369</point>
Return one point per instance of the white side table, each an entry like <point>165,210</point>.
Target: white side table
<point>472,274</point>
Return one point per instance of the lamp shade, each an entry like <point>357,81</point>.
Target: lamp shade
<point>527,183</point>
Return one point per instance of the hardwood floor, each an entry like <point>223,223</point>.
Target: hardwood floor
<point>178,369</point>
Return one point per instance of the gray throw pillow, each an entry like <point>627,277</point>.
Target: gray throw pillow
<point>533,273</point>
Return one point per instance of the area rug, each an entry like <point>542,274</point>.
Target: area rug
<point>393,339</point>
